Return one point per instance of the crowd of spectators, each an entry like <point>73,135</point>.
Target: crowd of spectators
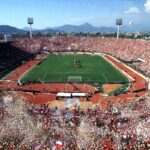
<point>27,126</point>
<point>125,49</point>
<point>11,56</point>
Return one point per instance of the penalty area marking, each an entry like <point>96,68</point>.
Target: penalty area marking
<point>45,74</point>
<point>105,77</point>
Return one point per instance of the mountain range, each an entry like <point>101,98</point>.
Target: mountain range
<point>84,28</point>
<point>5,29</point>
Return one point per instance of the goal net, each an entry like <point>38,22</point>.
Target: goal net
<point>74,78</point>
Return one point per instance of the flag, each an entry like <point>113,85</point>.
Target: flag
<point>59,144</point>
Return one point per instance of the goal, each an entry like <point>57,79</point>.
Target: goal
<point>74,78</point>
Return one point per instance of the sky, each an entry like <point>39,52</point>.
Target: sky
<point>53,13</point>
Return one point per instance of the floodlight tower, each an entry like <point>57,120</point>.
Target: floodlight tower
<point>118,23</point>
<point>30,22</point>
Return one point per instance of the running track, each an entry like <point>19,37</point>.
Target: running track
<point>44,93</point>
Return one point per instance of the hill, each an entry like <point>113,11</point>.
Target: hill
<point>6,29</point>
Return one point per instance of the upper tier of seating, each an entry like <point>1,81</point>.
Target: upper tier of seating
<point>124,49</point>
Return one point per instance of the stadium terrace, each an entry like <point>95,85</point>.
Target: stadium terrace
<point>74,93</point>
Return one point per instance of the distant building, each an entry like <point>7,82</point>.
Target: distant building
<point>8,38</point>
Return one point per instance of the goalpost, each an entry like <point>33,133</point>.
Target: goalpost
<point>74,78</point>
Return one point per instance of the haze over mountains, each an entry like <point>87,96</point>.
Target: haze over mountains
<point>5,29</point>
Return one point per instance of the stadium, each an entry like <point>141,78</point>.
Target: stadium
<point>63,73</point>
<point>75,75</point>
<point>74,78</point>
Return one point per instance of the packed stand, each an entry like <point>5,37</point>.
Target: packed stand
<point>28,126</point>
<point>11,56</point>
<point>124,49</point>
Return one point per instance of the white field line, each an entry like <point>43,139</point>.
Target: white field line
<point>30,69</point>
<point>128,76</point>
<point>45,74</point>
<point>105,77</point>
<point>26,72</point>
<point>141,75</point>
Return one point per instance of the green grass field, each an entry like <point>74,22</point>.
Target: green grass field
<point>57,68</point>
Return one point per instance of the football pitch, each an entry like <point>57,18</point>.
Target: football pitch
<point>60,68</point>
